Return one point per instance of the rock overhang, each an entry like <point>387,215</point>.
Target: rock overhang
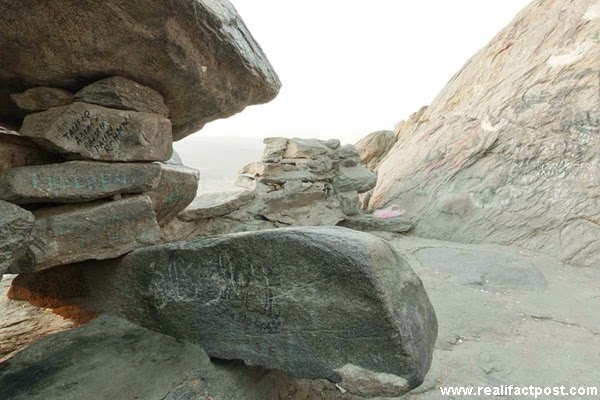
<point>198,54</point>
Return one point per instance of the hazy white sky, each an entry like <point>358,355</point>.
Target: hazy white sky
<point>351,67</point>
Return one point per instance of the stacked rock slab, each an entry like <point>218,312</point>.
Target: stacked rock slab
<point>317,302</point>
<point>106,201</point>
<point>298,182</point>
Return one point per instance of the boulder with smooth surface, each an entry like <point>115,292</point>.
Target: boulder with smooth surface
<point>308,301</point>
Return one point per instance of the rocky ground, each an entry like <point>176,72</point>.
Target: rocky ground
<point>506,317</point>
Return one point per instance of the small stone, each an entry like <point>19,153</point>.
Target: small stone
<point>18,151</point>
<point>123,94</point>
<point>76,181</point>
<point>16,225</point>
<point>211,205</point>
<point>177,188</point>
<point>42,98</point>
<point>98,230</point>
<point>87,131</point>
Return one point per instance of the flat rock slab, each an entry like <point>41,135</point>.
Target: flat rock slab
<point>97,230</point>
<point>16,225</point>
<point>198,54</point>
<point>76,181</point>
<point>87,131</point>
<point>123,94</point>
<point>211,205</point>
<point>315,302</point>
<point>18,151</point>
<point>177,188</point>
<point>369,223</point>
<point>140,364</point>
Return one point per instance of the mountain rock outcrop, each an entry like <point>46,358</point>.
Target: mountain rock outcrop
<point>298,182</point>
<point>197,54</point>
<point>509,151</point>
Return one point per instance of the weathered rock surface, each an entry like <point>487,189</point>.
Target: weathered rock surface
<point>140,364</point>
<point>18,151</point>
<point>342,297</point>
<point>21,323</point>
<point>16,225</point>
<point>374,147</point>
<point>197,54</point>
<point>42,98</point>
<point>123,94</point>
<point>509,152</point>
<point>177,188</point>
<point>368,223</point>
<point>87,131</point>
<point>298,182</point>
<point>76,181</point>
<point>96,230</point>
<point>211,205</point>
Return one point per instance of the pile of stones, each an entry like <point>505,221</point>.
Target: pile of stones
<point>89,176</point>
<point>298,182</point>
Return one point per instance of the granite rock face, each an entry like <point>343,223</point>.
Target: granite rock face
<point>309,301</point>
<point>16,225</point>
<point>509,151</point>
<point>97,230</point>
<point>87,131</point>
<point>197,54</point>
<point>76,181</point>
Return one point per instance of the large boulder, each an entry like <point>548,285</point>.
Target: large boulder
<point>16,225</point>
<point>197,54</point>
<point>509,152</point>
<point>315,302</point>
